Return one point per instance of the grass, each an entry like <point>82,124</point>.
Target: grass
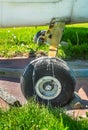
<point>77,37</point>
<point>72,52</point>
<point>19,42</point>
<point>81,25</point>
<point>33,116</point>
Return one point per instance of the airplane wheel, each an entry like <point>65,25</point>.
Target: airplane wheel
<point>50,80</point>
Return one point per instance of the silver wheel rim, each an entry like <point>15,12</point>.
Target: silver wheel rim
<point>48,87</point>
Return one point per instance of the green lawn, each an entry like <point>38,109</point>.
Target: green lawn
<point>33,116</point>
<point>19,41</point>
<point>81,25</point>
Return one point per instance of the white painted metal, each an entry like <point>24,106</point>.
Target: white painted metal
<point>31,1</point>
<point>40,12</point>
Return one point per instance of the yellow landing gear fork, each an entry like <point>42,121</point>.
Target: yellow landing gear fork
<point>55,33</point>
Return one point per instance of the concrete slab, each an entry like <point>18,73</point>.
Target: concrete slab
<point>15,67</point>
<point>79,67</point>
<point>12,86</point>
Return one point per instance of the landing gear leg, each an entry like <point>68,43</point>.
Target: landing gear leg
<point>49,78</point>
<point>55,31</point>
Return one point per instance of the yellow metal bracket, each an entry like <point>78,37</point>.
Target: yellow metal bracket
<point>55,33</point>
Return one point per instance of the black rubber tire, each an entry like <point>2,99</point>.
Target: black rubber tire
<point>43,67</point>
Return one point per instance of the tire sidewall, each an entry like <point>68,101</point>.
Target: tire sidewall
<point>39,69</point>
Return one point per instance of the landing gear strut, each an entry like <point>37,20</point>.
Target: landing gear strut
<point>49,78</point>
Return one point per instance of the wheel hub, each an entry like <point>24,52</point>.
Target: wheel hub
<point>48,87</point>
